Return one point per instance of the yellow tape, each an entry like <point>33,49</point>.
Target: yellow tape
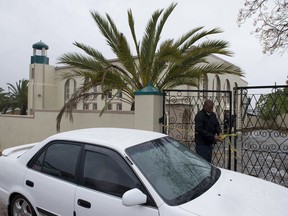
<point>181,129</point>
<point>224,136</point>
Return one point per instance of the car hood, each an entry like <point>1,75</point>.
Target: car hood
<point>240,195</point>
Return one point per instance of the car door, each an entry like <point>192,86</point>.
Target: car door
<point>105,178</point>
<point>51,178</point>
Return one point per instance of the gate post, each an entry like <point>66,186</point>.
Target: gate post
<point>148,109</point>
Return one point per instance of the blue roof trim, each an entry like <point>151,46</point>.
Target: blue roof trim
<point>40,45</point>
<point>39,60</point>
<point>148,90</point>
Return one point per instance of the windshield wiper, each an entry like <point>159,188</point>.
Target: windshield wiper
<point>202,187</point>
<point>195,192</point>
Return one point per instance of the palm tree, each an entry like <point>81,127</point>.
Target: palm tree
<point>4,101</point>
<point>165,65</point>
<point>18,96</point>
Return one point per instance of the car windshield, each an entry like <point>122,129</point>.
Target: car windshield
<point>175,172</point>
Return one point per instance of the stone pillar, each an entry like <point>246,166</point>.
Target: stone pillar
<point>148,109</point>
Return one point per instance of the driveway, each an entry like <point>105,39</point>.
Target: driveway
<point>3,211</point>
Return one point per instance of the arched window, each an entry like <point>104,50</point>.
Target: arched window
<point>93,89</point>
<point>86,81</point>
<point>205,85</point>
<point>216,85</point>
<point>87,100</point>
<point>227,87</point>
<point>236,94</point>
<point>69,88</point>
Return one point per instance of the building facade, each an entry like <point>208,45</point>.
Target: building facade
<point>49,91</point>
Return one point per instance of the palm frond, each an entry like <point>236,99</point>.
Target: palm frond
<point>109,33</point>
<point>132,29</point>
<point>147,46</point>
<point>125,57</point>
<point>162,22</point>
<point>166,55</point>
<point>186,36</point>
<point>197,36</point>
<point>77,98</point>
<point>90,51</point>
<point>167,65</point>
<point>215,47</point>
<point>220,68</point>
<point>84,62</point>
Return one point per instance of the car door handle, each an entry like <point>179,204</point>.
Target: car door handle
<point>84,203</point>
<point>29,183</point>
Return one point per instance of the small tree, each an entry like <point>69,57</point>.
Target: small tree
<point>18,96</point>
<point>270,22</point>
<point>166,64</point>
<point>4,101</point>
<point>274,104</point>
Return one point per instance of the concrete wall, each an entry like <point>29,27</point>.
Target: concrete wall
<point>17,130</point>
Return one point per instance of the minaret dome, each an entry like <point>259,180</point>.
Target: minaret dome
<point>39,57</point>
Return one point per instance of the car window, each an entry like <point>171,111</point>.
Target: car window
<point>102,173</point>
<point>107,171</point>
<point>58,159</point>
<point>175,172</point>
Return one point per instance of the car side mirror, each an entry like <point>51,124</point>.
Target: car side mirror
<point>134,197</point>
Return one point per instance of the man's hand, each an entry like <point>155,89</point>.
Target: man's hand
<point>220,138</point>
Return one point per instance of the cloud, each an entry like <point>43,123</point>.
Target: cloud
<point>60,23</point>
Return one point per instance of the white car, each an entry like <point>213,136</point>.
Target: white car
<point>124,172</point>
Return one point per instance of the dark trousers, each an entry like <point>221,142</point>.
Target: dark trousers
<point>205,151</point>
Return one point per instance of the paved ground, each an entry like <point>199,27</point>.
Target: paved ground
<point>3,211</point>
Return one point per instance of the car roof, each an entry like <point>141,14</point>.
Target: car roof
<point>117,138</point>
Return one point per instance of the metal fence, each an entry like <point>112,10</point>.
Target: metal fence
<point>263,122</point>
<point>254,118</point>
<point>180,108</point>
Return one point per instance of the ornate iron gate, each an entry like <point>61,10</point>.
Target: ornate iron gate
<point>180,108</point>
<point>259,119</point>
<point>263,122</point>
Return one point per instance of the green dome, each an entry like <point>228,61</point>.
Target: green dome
<point>40,45</point>
<point>148,90</point>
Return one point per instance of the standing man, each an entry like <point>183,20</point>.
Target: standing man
<point>207,130</point>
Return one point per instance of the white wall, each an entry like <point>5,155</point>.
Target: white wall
<point>17,130</point>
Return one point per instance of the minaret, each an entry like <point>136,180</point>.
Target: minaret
<point>41,87</point>
<point>40,59</point>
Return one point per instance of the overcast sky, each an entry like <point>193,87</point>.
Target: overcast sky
<point>59,23</point>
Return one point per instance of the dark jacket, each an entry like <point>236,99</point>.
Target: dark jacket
<point>206,126</point>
